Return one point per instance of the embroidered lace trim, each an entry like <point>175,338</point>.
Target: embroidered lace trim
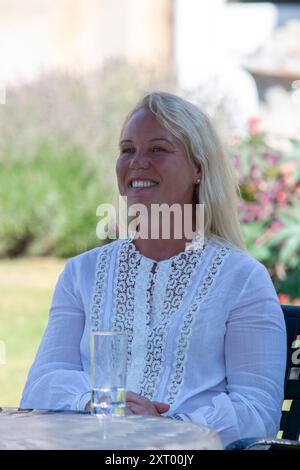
<point>100,288</point>
<point>148,306</point>
<point>140,323</point>
<point>187,323</point>
<point>172,285</point>
<point>124,292</point>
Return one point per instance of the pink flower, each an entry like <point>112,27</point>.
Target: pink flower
<point>281,197</point>
<point>288,168</point>
<point>276,225</point>
<point>254,123</point>
<point>271,157</point>
<point>233,141</point>
<point>283,298</point>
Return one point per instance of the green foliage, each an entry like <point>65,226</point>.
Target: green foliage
<point>58,146</point>
<point>48,206</point>
<point>270,208</point>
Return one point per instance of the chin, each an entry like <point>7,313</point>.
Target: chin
<point>141,199</point>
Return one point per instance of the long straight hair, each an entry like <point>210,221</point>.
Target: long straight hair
<point>218,186</point>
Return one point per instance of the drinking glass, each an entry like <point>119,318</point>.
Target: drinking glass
<point>108,373</point>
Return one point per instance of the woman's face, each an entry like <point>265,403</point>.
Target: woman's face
<point>153,167</point>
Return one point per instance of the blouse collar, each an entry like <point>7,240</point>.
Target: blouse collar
<point>197,245</point>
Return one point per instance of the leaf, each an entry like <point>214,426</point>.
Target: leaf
<point>290,249</point>
<point>252,231</point>
<point>260,252</point>
<point>245,162</point>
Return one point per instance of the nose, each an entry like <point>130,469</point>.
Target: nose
<point>139,160</point>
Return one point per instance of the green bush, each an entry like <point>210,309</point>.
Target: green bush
<point>49,205</point>
<point>58,145</point>
<point>270,209</point>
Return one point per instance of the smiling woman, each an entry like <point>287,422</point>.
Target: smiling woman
<point>200,318</point>
<point>153,168</point>
<point>152,157</point>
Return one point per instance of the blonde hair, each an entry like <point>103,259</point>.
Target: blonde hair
<point>218,187</point>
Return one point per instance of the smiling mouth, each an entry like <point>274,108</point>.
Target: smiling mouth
<point>142,184</point>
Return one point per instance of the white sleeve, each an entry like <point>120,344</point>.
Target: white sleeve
<point>255,358</point>
<point>56,380</point>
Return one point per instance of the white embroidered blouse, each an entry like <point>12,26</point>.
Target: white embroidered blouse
<point>206,335</point>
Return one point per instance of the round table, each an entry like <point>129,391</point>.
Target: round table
<point>32,430</point>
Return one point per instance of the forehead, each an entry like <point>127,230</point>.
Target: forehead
<point>144,124</point>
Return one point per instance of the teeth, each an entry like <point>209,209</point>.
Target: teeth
<point>142,184</point>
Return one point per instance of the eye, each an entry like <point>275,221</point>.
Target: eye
<point>158,149</point>
<point>127,150</point>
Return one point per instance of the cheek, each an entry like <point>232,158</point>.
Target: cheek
<point>120,170</point>
<point>178,171</point>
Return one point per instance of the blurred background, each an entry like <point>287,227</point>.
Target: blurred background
<point>70,70</point>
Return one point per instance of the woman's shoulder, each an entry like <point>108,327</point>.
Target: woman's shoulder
<point>243,277</point>
<point>88,259</point>
<point>240,262</point>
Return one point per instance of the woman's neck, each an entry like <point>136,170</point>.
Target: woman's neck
<point>161,249</point>
<point>161,245</point>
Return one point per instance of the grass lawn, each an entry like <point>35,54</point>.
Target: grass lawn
<point>26,287</point>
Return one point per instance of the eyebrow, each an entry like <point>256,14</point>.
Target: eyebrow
<point>151,140</point>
